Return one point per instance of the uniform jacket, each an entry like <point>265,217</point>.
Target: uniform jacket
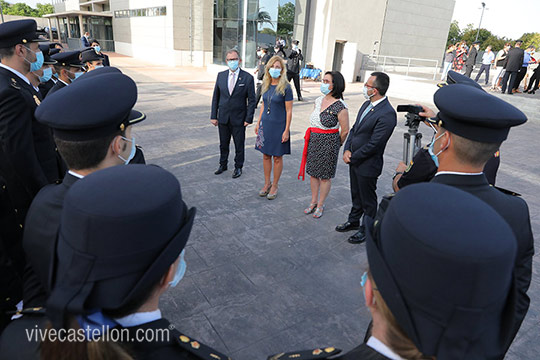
<point>516,213</point>
<point>514,59</point>
<point>238,107</point>
<point>14,342</point>
<point>59,85</point>
<point>293,64</point>
<point>39,240</point>
<point>362,352</point>
<point>471,58</point>
<point>178,346</point>
<point>367,139</point>
<point>262,65</point>
<point>44,88</point>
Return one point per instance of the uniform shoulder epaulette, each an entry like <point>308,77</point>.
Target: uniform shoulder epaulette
<point>506,191</point>
<point>198,349</point>
<point>14,84</point>
<point>28,311</point>
<point>319,353</point>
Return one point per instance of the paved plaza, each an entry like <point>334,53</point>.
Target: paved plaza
<point>262,277</point>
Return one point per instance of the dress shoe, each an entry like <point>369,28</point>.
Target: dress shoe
<point>237,173</point>
<point>300,99</point>
<point>348,226</point>
<point>221,169</point>
<point>358,238</point>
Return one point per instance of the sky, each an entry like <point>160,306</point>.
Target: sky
<point>509,18</point>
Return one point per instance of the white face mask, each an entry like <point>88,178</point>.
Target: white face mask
<point>365,91</point>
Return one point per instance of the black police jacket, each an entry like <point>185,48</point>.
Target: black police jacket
<point>514,59</point>
<point>44,88</point>
<point>516,213</point>
<point>237,107</point>
<point>367,138</point>
<point>471,58</point>
<point>262,65</point>
<point>363,352</point>
<point>293,64</point>
<point>176,346</point>
<point>39,240</point>
<point>59,85</point>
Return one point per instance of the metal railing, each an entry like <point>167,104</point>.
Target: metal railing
<point>398,64</point>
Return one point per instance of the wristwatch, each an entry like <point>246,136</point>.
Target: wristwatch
<point>396,174</point>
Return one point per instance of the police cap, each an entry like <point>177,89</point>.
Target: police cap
<point>122,228</point>
<point>46,50</point>
<point>18,32</point>
<point>90,54</point>
<point>114,94</point>
<point>69,59</point>
<point>100,71</point>
<point>447,279</point>
<point>457,78</point>
<point>474,114</point>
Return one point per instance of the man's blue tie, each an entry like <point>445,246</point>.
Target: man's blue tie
<point>370,106</point>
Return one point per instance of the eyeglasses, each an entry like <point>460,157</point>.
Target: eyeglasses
<point>369,86</point>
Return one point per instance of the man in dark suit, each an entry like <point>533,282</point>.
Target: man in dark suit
<point>85,40</point>
<point>514,62</point>
<point>293,67</point>
<point>471,59</point>
<point>364,150</point>
<point>233,105</point>
<point>440,269</point>
<point>466,140</point>
<point>28,159</point>
<point>69,67</point>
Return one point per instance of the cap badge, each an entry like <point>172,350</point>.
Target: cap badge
<point>195,345</point>
<point>122,127</point>
<point>317,352</point>
<point>184,339</point>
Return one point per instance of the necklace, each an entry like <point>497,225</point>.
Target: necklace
<point>270,101</point>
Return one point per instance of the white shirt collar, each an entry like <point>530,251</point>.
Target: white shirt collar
<point>139,318</point>
<point>75,174</point>
<point>65,83</point>
<point>234,72</point>
<point>456,173</point>
<point>16,73</point>
<point>381,348</point>
<point>375,103</point>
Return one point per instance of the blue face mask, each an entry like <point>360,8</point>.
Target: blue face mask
<point>434,156</point>
<point>55,75</point>
<point>233,64</point>
<point>275,73</point>
<point>98,67</point>
<point>180,271</point>
<point>47,74</point>
<point>97,48</point>
<point>36,65</point>
<point>325,89</point>
<point>133,150</point>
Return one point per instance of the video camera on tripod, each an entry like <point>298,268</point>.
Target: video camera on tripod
<point>412,139</point>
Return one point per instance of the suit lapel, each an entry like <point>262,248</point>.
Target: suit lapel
<point>370,113</point>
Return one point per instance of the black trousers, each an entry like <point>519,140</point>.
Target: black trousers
<point>296,78</point>
<point>364,197</point>
<point>521,74</point>
<point>482,69</point>
<point>468,70</point>
<point>512,75</point>
<point>238,134</point>
<point>535,78</point>
<point>258,93</point>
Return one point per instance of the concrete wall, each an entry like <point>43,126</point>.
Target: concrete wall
<point>416,28</point>
<point>67,5</point>
<point>354,21</point>
<point>41,22</point>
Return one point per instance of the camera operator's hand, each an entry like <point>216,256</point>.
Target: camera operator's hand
<point>347,156</point>
<point>401,167</point>
<point>427,113</point>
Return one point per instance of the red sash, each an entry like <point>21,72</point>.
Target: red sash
<point>309,130</point>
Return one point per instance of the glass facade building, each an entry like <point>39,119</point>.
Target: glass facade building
<point>246,24</point>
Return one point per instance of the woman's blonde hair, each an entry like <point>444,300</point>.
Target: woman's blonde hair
<point>267,80</point>
<point>398,341</point>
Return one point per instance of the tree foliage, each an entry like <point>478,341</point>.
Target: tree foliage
<point>486,37</point>
<point>22,9</point>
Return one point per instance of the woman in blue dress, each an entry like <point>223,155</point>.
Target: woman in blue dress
<point>274,123</point>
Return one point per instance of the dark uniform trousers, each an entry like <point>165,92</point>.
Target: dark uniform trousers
<point>296,79</point>
<point>468,70</point>
<point>238,134</point>
<point>512,75</point>
<point>516,213</point>
<point>364,197</point>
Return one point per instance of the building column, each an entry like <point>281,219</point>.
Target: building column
<point>50,30</point>
<point>81,25</point>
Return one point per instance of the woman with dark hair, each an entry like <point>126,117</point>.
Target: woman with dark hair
<point>97,47</point>
<point>323,140</point>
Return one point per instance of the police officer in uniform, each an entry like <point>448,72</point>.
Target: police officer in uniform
<point>429,287</point>
<point>468,135</point>
<point>94,139</point>
<point>264,56</point>
<point>91,59</point>
<point>45,86</point>
<point>112,274</point>
<point>28,159</point>
<point>68,68</point>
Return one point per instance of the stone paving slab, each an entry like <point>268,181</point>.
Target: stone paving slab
<point>262,277</point>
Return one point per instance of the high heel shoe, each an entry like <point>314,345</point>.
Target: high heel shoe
<point>271,196</point>
<point>318,212</point>
<point>265,192</point>
<point>310,208</point>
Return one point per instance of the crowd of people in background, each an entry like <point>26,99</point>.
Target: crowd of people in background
<point>512,66</point>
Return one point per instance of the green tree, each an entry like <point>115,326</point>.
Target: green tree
<point>454,34</point>
<point>530,39</point>
<point>469,36</point>
<point>286,20</point>
<point>44,9</point>
<point>21,9</point>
